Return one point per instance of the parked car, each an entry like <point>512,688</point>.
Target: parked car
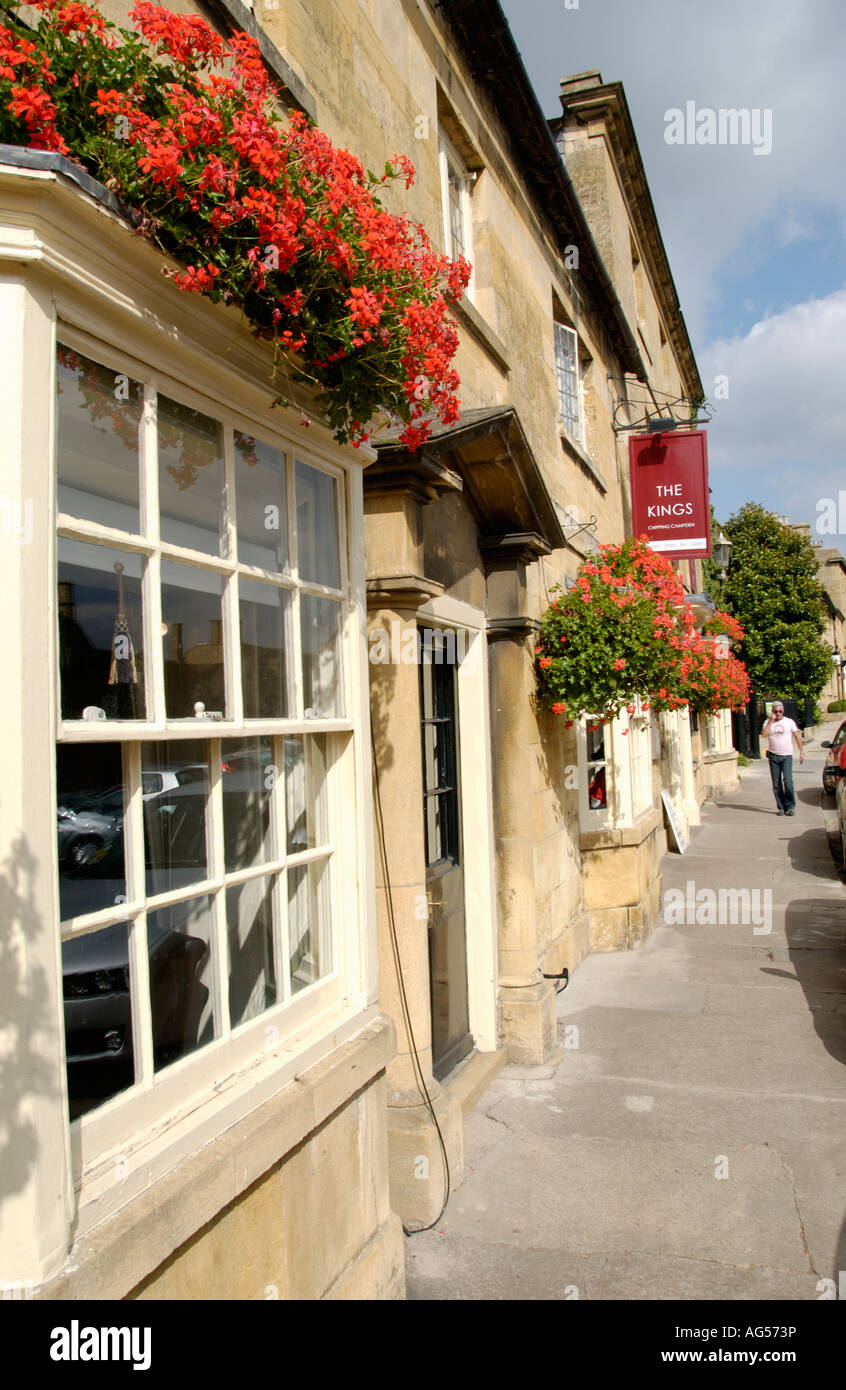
<point>831,764</point>
<point>98,1015</point>
<point>89,827</point>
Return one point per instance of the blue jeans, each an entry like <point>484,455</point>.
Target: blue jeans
<point>781,771</point>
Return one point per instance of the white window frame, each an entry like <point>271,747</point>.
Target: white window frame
<point>628,771</point>
<point>566,350</point>
<point>449,158</point>
<point>171,1096</point>
<point>640,759</point>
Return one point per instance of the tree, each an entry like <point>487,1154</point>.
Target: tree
<point>771,587</point>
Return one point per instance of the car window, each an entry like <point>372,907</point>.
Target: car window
<point>839,736</point>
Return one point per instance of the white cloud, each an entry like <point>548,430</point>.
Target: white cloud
<point>774,54</point>
<point>780,438</point>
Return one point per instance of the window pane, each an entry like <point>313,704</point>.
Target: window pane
<point>89,822</point>
<point>318,561</point>
<point>567,372</point>
<point>190,477</point>
<point>252,974</point>
<point>98,1017</point>
<point>175,789</point>
<point>262,504</point>
<point>456,212</point>
<point>192,635</point>
<point>319,625</point>
<point>265,624</point>
<point>98,418</point>
<point>305,793</point>
<point>309,924</point>
<point>101,657</point>
<point>248,781</point>
<point>181,978</point>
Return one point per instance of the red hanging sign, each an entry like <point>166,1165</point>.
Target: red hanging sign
<point>670,498</point>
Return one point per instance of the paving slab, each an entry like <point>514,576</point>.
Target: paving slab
<point>691,1142</point>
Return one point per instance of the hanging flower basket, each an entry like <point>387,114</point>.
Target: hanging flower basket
<point>624,630</point>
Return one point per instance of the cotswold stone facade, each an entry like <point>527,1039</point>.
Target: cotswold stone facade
<point>477,849</point>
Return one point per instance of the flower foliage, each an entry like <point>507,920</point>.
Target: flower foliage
<point>624,630</point>
<point>258,206</point>
<point>725,625</point>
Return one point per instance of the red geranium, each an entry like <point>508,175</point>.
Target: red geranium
<point>263,212</point>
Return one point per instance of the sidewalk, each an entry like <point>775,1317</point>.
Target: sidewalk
<point>711,1050</point>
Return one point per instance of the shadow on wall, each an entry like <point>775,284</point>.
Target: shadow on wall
<point>25,1017</point>
<point>558,761</point>
<point>383,679</point>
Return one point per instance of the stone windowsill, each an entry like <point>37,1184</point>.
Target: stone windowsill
<point>721,756</point>
<point>574,448</point>
<point>625,836</point>
<point>469,315</point>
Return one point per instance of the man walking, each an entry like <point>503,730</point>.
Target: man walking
<point>782,734</point>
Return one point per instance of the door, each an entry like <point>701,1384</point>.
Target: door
<point>451,1037</point>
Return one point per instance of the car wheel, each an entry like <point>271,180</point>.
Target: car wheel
<point>85,852</point>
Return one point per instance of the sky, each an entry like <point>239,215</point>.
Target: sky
<point>756,241</point>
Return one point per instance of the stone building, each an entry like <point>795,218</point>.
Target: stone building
<point>347,950</point>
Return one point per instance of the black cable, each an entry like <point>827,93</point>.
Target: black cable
<point>419,1077</point>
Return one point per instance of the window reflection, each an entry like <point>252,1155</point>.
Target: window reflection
<point>181,978</point>
<point>260,489</point>
<point>265,618</point>
<point>318,560</point>
<point>596,767</point>
<point>98,1017</point>
<point>89,824</point>
<point>252,973</point>
<point>175,788</point>
<point>305,793</point>
<point>320,630</point>
<point>101,657</point>
<point>98,417</point>
<point>192,637</point>
<point>248,779</point>
<point>190,477</point>
<point>309,924</point>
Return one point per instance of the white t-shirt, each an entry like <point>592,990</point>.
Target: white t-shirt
<point>780,735</point>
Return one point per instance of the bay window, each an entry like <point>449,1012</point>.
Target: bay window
<point>202,606</point>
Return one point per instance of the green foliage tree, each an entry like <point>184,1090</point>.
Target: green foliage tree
<point>771,587</point>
